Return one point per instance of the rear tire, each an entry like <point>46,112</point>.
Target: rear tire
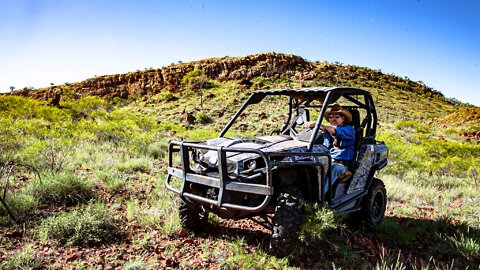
<point>286,222</point>
<point>192,216</point>
<point>375,202</point>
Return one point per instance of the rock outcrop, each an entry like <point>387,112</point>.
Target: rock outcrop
<point>151,81</point>
<point>241,69</point>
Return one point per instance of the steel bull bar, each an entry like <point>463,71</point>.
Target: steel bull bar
<point>224,181</point>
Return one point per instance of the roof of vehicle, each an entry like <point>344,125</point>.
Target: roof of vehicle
<point>318,93</point>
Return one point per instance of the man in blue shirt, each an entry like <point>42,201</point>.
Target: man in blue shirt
<point>343,135</point>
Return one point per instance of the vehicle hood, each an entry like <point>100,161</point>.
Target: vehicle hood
<point>267,144</point>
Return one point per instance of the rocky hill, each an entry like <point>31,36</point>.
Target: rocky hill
<point>241,69</point>
<point>398,98</point>
<point>154,80</point>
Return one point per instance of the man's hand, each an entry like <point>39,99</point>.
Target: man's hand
<point>329,129</point>
<point>309,125</point>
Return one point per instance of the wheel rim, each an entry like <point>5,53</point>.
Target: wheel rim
<point>377,207</point>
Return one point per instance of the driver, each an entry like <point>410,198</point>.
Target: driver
<point>343,134</point>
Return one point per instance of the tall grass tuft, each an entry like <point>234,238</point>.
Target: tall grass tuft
<point>20,204</point>
<point>135,265</point>
<point>158,150</point>
<point>465,245</point>
<point>388,262</point>
<point>113,181</point>
<point>316,222</point>
<point>62,189</point>
<point>159,213</point>
<point>132,165</point>
<point>92,225</point>
<point>237,256</point>
<point>24,259</point>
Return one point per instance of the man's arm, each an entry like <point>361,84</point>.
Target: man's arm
<point>331,129</point>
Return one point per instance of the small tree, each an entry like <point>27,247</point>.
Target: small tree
<point>473,174</point>
<point>196,82</point>
<point>12,88</point>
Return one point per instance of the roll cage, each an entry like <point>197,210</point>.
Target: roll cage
<point>301,98</point>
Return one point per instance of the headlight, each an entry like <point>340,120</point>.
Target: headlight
<point>197,155</point>
<point>250,165</point>
<point>231,167</point>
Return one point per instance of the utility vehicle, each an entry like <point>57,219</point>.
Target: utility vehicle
<point>268,178</point>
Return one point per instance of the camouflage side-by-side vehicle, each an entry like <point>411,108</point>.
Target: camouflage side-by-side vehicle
<point>268,178</point>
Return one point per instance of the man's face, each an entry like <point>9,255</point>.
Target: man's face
<point>336,119</point>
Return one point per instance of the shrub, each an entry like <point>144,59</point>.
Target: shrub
<point>203,118</point>
<point>93,225</point>
<point>261,82</point>
<point>86,105</point>
<point>56,154</point>
<point>11,139</point>
<point>195,80</point>
<point>157,150</point>
<point>165,96</point>
<point>410,126</point>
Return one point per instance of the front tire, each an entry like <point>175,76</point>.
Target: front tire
<point>375,203</point>
<point>286,222</point>
<point>192,216</point>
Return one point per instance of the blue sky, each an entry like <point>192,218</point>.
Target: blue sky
<point>48,41</point>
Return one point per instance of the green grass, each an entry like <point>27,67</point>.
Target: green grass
<point>21,204</point>
<point>448,197</point>
<point>64,188</point>
<point>113,181</point>
<point>59,189</point>
<point>91,225</point>
<point>390,262</point>
<point>392,231</point>
<point>158,213</point>
<point>466,245</point>
<point>135,265</point>
<point>317,222</point>
<point>132,165</point>
<point>237,255</point>
<point>23,259</point>
<point>115,153</point>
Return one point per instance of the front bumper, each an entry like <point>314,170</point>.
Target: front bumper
<point>225,183</point>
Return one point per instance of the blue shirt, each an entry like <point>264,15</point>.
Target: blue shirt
<point>346,134</point>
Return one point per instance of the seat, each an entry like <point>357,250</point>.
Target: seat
<point>302,115</point>
<point>355,123</point>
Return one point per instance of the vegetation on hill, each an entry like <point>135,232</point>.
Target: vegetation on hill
<point>99,200</point>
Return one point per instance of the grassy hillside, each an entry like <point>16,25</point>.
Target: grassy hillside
<point>99,200</point>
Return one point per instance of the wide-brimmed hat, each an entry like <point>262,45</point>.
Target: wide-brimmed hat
<point>340,110</point>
